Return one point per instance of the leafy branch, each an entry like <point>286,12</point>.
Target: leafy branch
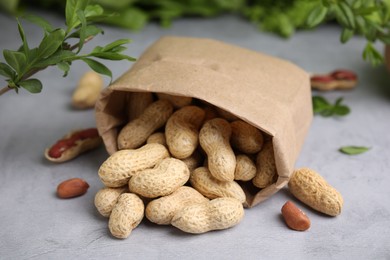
<point>55,49</point>
<point>322,107</point>
<point>369,18</point>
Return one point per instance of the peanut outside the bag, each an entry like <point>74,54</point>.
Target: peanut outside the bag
<point>271,94</point>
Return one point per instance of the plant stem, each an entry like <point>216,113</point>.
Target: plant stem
<point>32,72</point>
<point>4,90</point>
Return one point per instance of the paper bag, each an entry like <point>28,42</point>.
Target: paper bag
<point>272,94</point>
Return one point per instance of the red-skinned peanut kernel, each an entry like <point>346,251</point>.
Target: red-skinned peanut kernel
<point>294,217</point>
<point>343,75</point>
<point>322,78</point>
<point>72,188</point>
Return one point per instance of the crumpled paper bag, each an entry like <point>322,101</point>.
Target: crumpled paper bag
<point>272,94</point>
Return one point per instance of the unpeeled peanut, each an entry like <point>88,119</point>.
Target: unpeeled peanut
<point>135,133</point>
<point>226,115</point>
<point>214,138</point>
<point>245,137</point>
<point>88,90</point>
<point>137,102</point>
<point>202,180</point>
<point>176,101</point>
<point>157,138</point>
<point>217,214</point>
<point>313,190</point>
<point>181,131</point>
<point>121,165</point>
<point>266,168</point>
<point>126,215</point>
<point>194,161</point>
<point>73,144</point>
<point>106,198</point>
<point>162,180</point>
<point>210,112</point>
<point>162,210</point>
<point>245,168</point>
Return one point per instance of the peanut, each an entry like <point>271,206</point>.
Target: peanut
<point>176,101</point>
<point>313,190</point>
<point>88,90</point>
<point>157,138</point>
<point>338,79</point>
<point>245,168</point>
<point>126,215</point>
<point>294,217</point>
<point>226,115</point>
<point>266,168</point>
<point>245,137</point>
<point>181,131</point>
<point>214,138</point>
<point>73,144</point>
<point>162,180</point>
<point>137,102</point>
<point>72,188</point>
<point>210,112</point>
<point>194,161</point>
<point>135,133</point>
<point>162,210</point>
<point>206,184</point>
<point>120,166</point>
<point>217,214</point>
<point>106,198</point>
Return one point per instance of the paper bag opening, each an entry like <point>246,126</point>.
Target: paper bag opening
<point>271,94</point>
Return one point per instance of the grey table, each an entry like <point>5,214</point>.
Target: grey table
<point>35,224</point>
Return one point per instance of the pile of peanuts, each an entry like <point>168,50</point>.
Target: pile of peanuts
<point>180,161</point>
<point>183,157</point>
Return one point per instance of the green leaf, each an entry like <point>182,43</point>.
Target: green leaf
<point>93,11</point>
<point>316,16</point>
<point>131,18</point>
<point>341,111</point>
<point>346,34</point>
<point>90,30</point>
<point>354,150</point>
<point>112,56</point>
<point>51,42</point>
<point>32,55</point>
<point>348,14</point>
<point>23,37</point>
<point>71,8</point>
<point>118,49</point>
<point>322,107</point>
<point>7,71</point>
<point>83,29</point>
<point>98,67</point>
<point>319,103</point>
<point>32,85</point>
<point>57,57</point>
<point>115,44</point>
<point>17,60</point>
<point>366,10</point>
<point>65,67</point>
<point>361,24</point>
<point>385,39</point>
<point>372,55</point>
<point>45,25</point>
<point>9,6</point>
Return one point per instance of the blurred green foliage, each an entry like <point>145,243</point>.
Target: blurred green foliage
<point>369,18</point>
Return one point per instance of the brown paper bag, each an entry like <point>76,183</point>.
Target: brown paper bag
<point>271,94</point>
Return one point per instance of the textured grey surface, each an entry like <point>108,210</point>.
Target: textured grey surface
<point>35,224</point>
